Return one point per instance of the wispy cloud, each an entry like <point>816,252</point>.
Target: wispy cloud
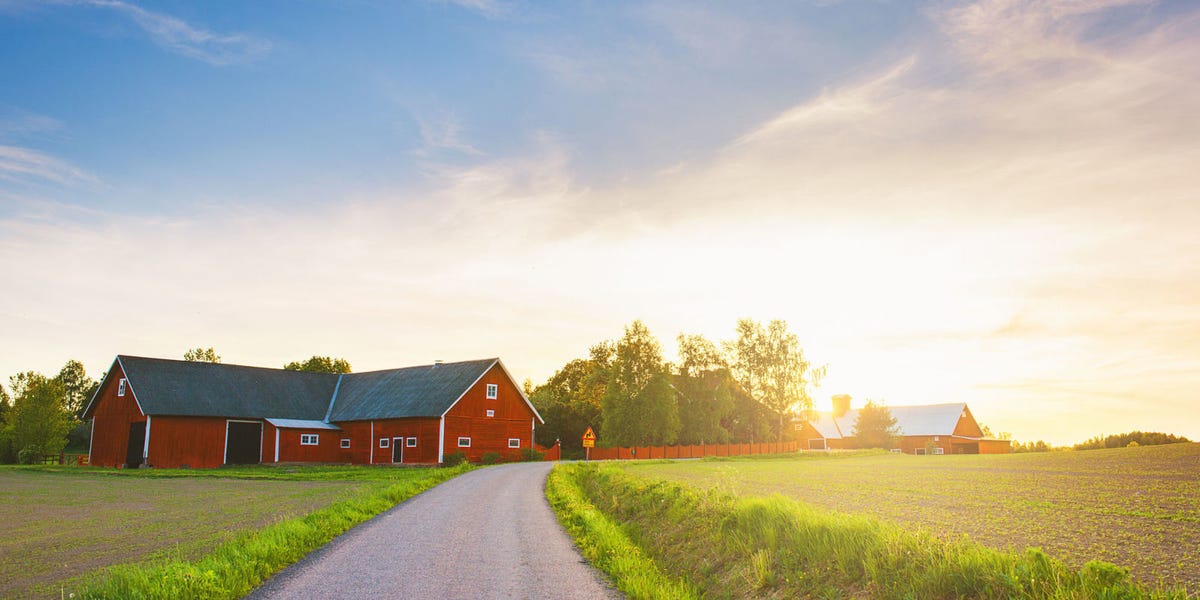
<point>19,123</point>
<point>23,165</point>
<point>181,37</point>
<point>443,131</point>
<point>489,8</point>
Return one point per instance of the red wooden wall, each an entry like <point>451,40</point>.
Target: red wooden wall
<point>195,442</point>
<point>424,429</point>
<point>513,418</point>
<point>111,417</point>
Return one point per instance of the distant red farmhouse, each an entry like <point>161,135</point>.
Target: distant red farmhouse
<point>170,413</point>
<point>932,428</point>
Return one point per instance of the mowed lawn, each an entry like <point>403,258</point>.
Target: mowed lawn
<point>58,525</point>
<point>1135,507</point>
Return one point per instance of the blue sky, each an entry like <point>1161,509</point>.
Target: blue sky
<point>990,201</point>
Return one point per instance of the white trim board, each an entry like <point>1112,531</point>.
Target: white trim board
<point>146,444</point>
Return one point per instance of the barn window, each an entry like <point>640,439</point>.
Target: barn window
<point>309,439</point>
<point>411,442</point>
<point>939,450</point>
<point>383,442</point>
<point>491,413</point>
<point>514,442</point>
<point>345,442</point>
<point>918,451</point>
<point>464,442</point>
<point>493,390</point>
<point>121,387</point>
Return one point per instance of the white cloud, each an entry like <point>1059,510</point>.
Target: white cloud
<point>492,9</point>
<point>30,166</point>
<point>443,131</point>
<point>179,36</point>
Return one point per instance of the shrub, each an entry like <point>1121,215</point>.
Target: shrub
<point>29,455</point>
<point>454,459</point>
<point>531,455</point>
<point>491,458</point>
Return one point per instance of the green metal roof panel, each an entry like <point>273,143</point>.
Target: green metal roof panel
<point>175,387</point>
<point>425,391</point>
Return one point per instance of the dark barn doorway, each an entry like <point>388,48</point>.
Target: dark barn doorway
<point>137,445</point>
<point>398,450</point>
<point>243,443</point>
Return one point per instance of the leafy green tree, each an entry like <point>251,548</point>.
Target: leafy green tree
<point>750,421</point>
<point>77,388</point>
<point>570,401</point>
<point>704,393</point>
<point>7,453</point>
<point>639,405</point>
<point>320,364</point>
<point>1122,440</point>
<point>875,426</point>
<point>770,365</point>
<point>202,355</point>
<point>38,418</point>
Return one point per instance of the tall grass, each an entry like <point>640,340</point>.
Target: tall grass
<point>238,566</point>
<point>729,546</point>
<point>604,544</point>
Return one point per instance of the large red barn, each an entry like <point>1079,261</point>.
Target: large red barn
<point>170,413</point>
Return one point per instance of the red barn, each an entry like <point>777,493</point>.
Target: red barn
<point>932,428</point>
<point>170,413</point>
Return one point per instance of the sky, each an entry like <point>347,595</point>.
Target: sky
<point>992,202</point>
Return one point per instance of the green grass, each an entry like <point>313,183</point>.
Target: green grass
<point>1136,507</point>
<point>726,545</point>
<point>202,533</point>
<point>606,546</point>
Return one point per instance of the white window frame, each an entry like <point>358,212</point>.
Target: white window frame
<point>939,450</point>
<point>919,451</point>
<point>511,440</point>
<point>491,413</point>
<point>493,391</point>
<point>410,442</point>
<point>384,442</point>
<point>310,439</point>
<point>461,444</point>
<point>345,442</point>
<point>121,387</point>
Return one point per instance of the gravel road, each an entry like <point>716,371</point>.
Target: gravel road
<point>487,534</point>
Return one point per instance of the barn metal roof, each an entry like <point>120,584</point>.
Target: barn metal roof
<point>302,424</point>
<point>927,419</point>
<point>200,389</point>
<point>297,399</point>
<point>424,391</point>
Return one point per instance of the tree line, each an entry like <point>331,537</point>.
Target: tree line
<point>1100,442</point>
<point>42,415</point>
<point>746,389</point>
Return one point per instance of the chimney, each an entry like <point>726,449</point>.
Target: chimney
<point>437,363</point>
<point>841,404</point>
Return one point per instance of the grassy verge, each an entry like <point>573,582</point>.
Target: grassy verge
<point>724,545</point>
<point>603,543</point>
<point>236,567</point>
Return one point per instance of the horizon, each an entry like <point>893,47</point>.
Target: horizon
<point>991,202</point>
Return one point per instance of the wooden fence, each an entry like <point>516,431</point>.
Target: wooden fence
<point>691,451</point>
<point>63,458</point>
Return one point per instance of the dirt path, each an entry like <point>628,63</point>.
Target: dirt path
<point>486,534</point>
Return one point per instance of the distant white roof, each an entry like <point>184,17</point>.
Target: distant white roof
<point>302,424</point>
<point>927,419</point>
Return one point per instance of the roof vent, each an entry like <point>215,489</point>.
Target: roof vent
<point>437,362</point>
